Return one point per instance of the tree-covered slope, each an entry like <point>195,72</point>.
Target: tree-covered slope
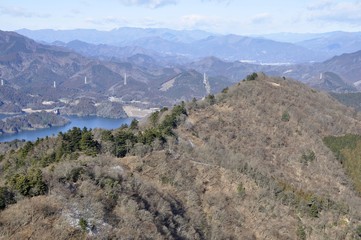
<point>248,163</point>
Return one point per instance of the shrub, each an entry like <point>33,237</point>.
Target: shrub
<point>151,134</point>
<point>83,224</point>
<point>252,77</point>
<point>6,197</point>
<point>80,140</point>
<point>75,174</point>
<point>285,116</point>
<point>126,141</point>
<point>358,231</point>
<point>26,149</point>
<point>315,207</point>
<point>172,120</point>
<point>88,144</point>
<point>211,99</point>
<point>71,140</point>
<point>166,180</point>
<point>164,109</point>
<point>140,149</point>
<point>241,190</point>
<point>29,184</point>
<point>307,157</point>
<point>301,233</point>
<point>154,118</point>
<point>48,159</point>
<point>123,141</point>
<point>134,124</point>
<point>193,104</point>
<point>107,135</point>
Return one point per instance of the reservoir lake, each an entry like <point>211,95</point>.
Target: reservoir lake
<point>88,122</point>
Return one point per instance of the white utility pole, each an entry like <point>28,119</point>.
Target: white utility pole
<point>206,84</point>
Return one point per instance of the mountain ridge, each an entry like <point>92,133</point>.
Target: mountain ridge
<point>195,47</point>
<point>247,163</point>
<point>50,73</point>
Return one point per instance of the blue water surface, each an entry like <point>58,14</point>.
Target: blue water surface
<point>88,122</point>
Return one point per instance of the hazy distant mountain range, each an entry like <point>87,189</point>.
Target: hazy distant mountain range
<point>160,71</point>
<point>331,43</point>
<point>338,74</point>
<point>190,44</point>
<point>334,43</point>
<point>128,53</point>
<point>118,37</point>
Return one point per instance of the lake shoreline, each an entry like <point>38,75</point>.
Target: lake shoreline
<point>81,122</point>
<point>31,122</point>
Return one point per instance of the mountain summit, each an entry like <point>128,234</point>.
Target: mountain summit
<point>248,163</point>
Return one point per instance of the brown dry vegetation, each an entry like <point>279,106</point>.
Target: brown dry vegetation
<point>247,164</point>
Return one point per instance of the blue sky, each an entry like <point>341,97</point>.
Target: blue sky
<point>219,16</point>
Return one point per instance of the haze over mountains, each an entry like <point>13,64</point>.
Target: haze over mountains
<point>192,44</point>
<point>337,41</point>
<point>195,44</point>
<point>170,48</point>
<point>30,68</point>
<point>158,74</point>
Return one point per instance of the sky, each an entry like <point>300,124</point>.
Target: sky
<point>217,16</point>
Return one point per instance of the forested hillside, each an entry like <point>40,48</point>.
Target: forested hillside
<point>253,162</point>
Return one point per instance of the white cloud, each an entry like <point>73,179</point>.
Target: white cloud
<point>210,23</point>
<point>261,18</point>
<point>107,21</point>
<point>219,1</point>
<point>194,21</point>
<point>340,12</point>
<point>162,3</point>
<point>148,3</point>
<point>320,5</point>
<point>21,12</point>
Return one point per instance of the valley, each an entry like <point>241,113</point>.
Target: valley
<point>140,78</point>
<point>72,82</point>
